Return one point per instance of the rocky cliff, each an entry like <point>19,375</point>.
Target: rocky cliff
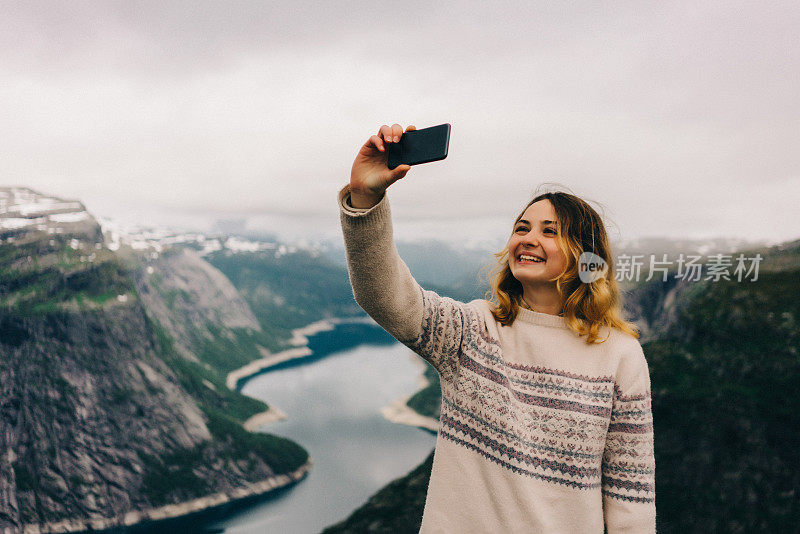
<point>110,402</point>
<point>193,301</point>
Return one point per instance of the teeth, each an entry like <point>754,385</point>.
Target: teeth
<point>530,258</point>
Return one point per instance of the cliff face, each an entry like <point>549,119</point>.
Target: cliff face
<point>85,400</point>
<point>111,399</point>
<point>655,307</point>
<point>192,300</point>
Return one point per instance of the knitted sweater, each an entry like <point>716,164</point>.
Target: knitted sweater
<point>540,432</point>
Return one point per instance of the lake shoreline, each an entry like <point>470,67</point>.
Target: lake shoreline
<point>401,413</point>
<point>397,412</point>
<point>300,350</point>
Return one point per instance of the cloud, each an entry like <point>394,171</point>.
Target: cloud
<point>259,108</point>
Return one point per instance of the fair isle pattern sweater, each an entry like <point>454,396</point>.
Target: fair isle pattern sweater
<point>540,432</point>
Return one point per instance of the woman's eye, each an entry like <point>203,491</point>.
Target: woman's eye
<point>520,229</point>
<point>546,230</point>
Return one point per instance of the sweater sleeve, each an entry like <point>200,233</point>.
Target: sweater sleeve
<point>430,325</point>
<point>628,467</point>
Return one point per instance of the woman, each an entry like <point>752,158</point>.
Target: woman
<point>545,418</point>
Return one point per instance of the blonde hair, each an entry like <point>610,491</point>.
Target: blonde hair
<point>586,306</point>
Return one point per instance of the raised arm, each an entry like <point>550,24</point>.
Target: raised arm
<point>431,325</point>
<point>629,459</point>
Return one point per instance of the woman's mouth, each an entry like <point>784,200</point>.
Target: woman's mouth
<point>529,258</point>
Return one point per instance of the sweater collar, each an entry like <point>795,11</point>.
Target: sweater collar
<point>543,319</point>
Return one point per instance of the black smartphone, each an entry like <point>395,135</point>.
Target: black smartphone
<point>420,146</point>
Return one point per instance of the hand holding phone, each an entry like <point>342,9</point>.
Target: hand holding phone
<point>372,170</point>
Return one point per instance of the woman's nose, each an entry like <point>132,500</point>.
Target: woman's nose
<point>532,240</point>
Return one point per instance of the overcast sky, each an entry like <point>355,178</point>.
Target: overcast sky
<point>680,118</point>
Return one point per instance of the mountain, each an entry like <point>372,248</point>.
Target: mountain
<point>724,404</point>
<point>114,353</point>
<point>724,359</point>
<point>290,290</point>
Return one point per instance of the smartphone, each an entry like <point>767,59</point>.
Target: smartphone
<point>420,146</point>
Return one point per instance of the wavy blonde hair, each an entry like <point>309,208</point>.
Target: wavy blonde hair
<point>585,307</point>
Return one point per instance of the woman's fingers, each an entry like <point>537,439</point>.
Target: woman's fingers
<point>397,131</point>
<point>392,134</point>
<point>377,142</point>
<point>397,173</point>
<point>386,133</point>
<point>401,170</point>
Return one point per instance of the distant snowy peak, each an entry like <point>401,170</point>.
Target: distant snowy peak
<point>22,208</point>
<point>26,202</point>
<point>24,212</point>
<point>154,240</point>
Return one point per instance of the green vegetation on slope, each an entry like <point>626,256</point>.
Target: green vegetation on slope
<point>229,349</point>
<point>47,275</point>
<point>205,383</point>
<point>290,291</point>
<point>725,409</point>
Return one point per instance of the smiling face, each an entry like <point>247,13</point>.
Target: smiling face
<point>533,253</point>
